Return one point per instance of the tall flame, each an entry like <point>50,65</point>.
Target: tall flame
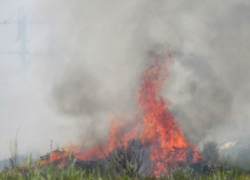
<point>168,144</point>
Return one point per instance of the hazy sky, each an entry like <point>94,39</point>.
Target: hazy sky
<point>85,60</point>
<point>24,96</point>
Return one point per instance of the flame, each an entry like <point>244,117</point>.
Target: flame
<point>153,124</point>
<point>168,143</point>
<point>56,157</point>
<point>101,150</point>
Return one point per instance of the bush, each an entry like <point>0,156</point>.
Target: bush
<point>211,152</point>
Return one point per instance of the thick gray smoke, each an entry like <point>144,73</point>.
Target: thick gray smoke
<point>105,46</point>
<point>90,55</point>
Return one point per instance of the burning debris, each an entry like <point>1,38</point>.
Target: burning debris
<point>152,123</point>
<point>56,157</point>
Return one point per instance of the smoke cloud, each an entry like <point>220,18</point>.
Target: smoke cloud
<point>89,55</point>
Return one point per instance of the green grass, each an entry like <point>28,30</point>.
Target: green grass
<point>52,172</point>
<point>72,173</point>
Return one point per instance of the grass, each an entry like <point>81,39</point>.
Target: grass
<point>73,173</point>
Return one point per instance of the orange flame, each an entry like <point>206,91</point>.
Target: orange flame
<point>56,157</point>
<point>168,143</point>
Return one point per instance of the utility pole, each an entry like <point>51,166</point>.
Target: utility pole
<point>21,37</point>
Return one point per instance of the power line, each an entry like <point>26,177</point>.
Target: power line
<point>8,22</point>
<point>10,53</point>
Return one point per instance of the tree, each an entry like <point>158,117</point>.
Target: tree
<point>211,152</point>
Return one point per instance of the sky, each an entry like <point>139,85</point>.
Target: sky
<point>86,57</point>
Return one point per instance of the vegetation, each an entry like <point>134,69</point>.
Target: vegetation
<point>127,159</point>
<point>125,163</point>
<point>73,173</point>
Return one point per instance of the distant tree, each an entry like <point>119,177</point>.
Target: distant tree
<point>211,152</point>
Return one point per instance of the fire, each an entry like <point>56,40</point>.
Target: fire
<point>102,150</point>
<point>156,126</point>
<point>56,157</point>
<point>168,143</point>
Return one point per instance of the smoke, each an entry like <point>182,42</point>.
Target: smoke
<point>210,102</point>
<point>88,56</point>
